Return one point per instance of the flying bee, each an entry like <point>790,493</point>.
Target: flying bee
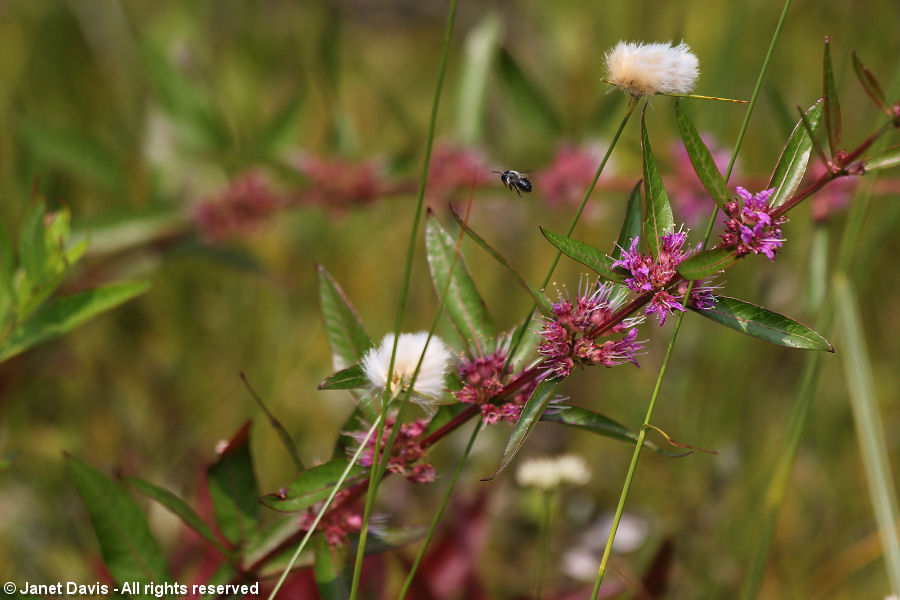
<point>515,181</point>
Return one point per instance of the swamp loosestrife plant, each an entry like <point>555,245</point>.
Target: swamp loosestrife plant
<point>500,379</point>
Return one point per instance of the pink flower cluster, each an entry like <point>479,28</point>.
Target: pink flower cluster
<point>649,274</point>
<point>751,226</point>
<point>567,339</point>
<point>335,524</point>
<point>407,450</point>
<point>565,180</point>
<point>338,184</point>
<point>484,378</point>
<point>246,202</point>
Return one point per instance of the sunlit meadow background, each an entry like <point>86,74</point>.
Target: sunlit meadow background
<point>132,113</point>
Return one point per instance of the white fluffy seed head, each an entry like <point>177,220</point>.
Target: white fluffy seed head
<point>547,473</point>
<point>429,383</point>
<point>646,69</point>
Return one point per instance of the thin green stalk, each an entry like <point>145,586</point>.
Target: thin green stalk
<point>629,110</point>
<point>642,434</point>
<point>869,426</point>
<point>325,507</point>
<point>376,472</point>
<point>548,498</point>
<point>440,511</point>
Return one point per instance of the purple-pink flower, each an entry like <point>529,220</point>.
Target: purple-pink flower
<point>751,227</point>
<point>336,524</point>
<point>567,342</point>
<point>568,176</point>
<point>484,378</point>
<point>406,452</point>
<point>649,274</point>
<point>240,208</point>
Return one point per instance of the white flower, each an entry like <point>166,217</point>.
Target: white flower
<point>410,346</point>
<point>646,69</point>
<point>547,473</point>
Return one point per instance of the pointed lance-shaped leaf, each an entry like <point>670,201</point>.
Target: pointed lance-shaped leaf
<point>351,378</point>
<point>707,263</point>
<point>832,106</point>
<point>817,147</point>
<point>657,217</point>
<point>233,489</point>
<point>539,298</point>
<point>60,315</point>
<point>180,508</point>
<point>588,255</point>
<point>531,414</point>
<point>130,552</point>
<point>343,327</point>
<point>764,324</point>
<point>791,165</point>
<point>313,485</point>
<point>531,104</point>
<point>701,159</point>
<point>588,420</point>
<point>886,160</point>
<point>463,303</point>
<point>631,225</point>
<point>870,84</point>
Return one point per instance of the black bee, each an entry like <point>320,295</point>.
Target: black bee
<point>515,181</point>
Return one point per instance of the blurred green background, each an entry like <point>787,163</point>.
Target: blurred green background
<point>132,113</point>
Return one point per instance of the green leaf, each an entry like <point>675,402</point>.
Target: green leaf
<point>539,298</point>
<point>343,327</point>
<point>701,159</point>
<point>478,57</point>
<point>33,245</point>
<point>657,214</point>
<point>180,508</point>
<point>886,160</point>
<point>130,552</point>
<point>63,314</point>
<point>351,378</point>
<point>832,106</point>
<point>588,255</point>
<point>817,271</point>
<point>870,84</point>
<point>463,303</point>
<point>531,414</point>
<point>330,581</point>
<point>530,103</point>
<point>233,490</point>
<point>7,266</point>
<point>817,147</point>
<point>764,324</point>
<point>313,485</point>
<point>791,165</point>
<point>80,155</point>
<point>707,263</point>
<point>588,420</point>
<point>631,226</point>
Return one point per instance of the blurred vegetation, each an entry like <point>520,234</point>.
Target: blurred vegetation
<point>129,114</point>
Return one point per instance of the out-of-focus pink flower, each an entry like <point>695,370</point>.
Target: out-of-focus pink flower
<point>453,168</point>
<point>406,453</point>
<point>335,524</point>
<point>240,208</point>
<point>338,184</point>
<point>834,197</point>
<point>566,179</point>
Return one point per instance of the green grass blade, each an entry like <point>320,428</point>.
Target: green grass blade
<point>471,96</point>
<point>869,426</point>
